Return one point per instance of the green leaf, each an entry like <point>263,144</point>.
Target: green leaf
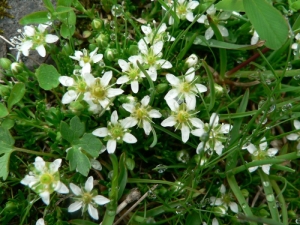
<point>6,137</point>
<point>16,95</point>
<point>67,31</point>
<point>47,77</point>
<point>268,22</point>
<point>193,218</point>
<point>5,152</point>
<point>48,5</point>
<point>90,144</point>
<point>64,3</point>
<point>67,133</point>
<point>3,110</point>
<point>122,175</point>
<point>231,5</point>
<point>78,161</point>
<point>62,9</point>
<point>77,127</point>
<point>211,82</point>
<point>36,17</point>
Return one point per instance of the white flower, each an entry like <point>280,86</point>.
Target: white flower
<point>183,10</point>
<point>255,38</point>
<point>76,86</point>
<point>185,88</point>
<point>211,11</point>
<point>87,199</point>
<point>44,179</point>
<point>133,74</point>
<point>259,153</point>
<point>86,59</point>
<point>99,91</point>
<point>192,60</point>
<point>212,135</point>
<point>181,118</point>
<point>295,136</point>
<point>225,200</point>
<point>116,132</point>
<point>141,114</point>
<point>33,38</point>
<point>295,46</point>
<point>157,34</point>
<point>152,58</point>
<point>40,221</point>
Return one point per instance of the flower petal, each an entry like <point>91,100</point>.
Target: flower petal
<point>40,221</point>
<point>101,200</point>
<point>66,81</point>
<point>55,165</point>
<point>74,206</point>
<point>123,79</point>
<point>123,64</point>
<point>129,138</point>
<point>198,132</point>
<point>214,120</point>
<point>147,127</point>
<point>61,188</point>
<point>185,133</point>
<point>297,124</point>
<point>89,184</point>
<point>75,189</point>
<point>134,86</point>
<point>41,50</point>
<point>174,81</point>
<point>106,78</point>
<point>272,152</point>
<point>234,207</point>
<point>111,146</point>
<point>129,107</point>
<point>197,122</point>
<point>164,64</point>
<point>266,168</point>
<point>50,38</point>
<point>201,88</point>
<point>100,132</point>
<point>145,101</point>
<point>252,169</point>
<point>153,113</point>
<point>209,33</point>
<point>173,93</point>
<point>157,47</point>
<point>93,212</point>
<point>263,144</point>
<point>97,58</point>
<point>190,100</point>
<point>169,122</point>
<point>45,197</point>
<point>112,92</point>
<point>69,96</point>
<point>143,47</point>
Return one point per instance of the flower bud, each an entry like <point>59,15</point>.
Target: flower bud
<point>192,60</point>
<point>76,107</point>
<point>161,88</point>
<point>219,89</point>
<point>16,68</point>
<point>110,54</point>
<point>183,156</point>
<point>219,210</point>
<point>245,193</point>
<point>5,63</point>
<point>133,50</point>
<point>97,24</point>
<point>86,34</point>
<point>102,39</point>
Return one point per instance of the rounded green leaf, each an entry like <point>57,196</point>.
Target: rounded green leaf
<point>16,95</point>
<point>47,77</point>
<point>268,22</point>
<point>3,111</point>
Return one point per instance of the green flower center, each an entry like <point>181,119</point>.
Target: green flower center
<point>260,154</point>
<point>46,178</point>
<point>87,198</point>
<point>116,131</point>
<point>182,117</point>
<point>86,59</point>
<point>98,91</point>
<point>185,87</point>
<point>81,86</point>
<point>133,73</point>
<point>141,113</point>
<point>151,59</point>
<point>181,10</point>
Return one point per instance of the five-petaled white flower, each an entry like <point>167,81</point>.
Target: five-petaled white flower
<point>152,36</point>
<point>211,11</point>
<point>192,60</point>
<point>44,179</point>
<point>225,200</point>
<point>185,88</point>
<point>86,59</point>
<point>133,74</point>
<point>33,38</point>
<point>141,114</point>
<point>183,10</point>
<point>181,118</point>
<point>259,153</point>
<point>212,135</point>
<point>295,136</point>
<point>87,199</point>
<point>40,221</point>
<point>152,58</point>
<point>99,91</point>
<point>116,131</point>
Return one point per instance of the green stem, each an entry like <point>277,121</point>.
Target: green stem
<point>269,195</point>
<point>35,152</point>
<point>111,208</point>
<point>281,200</point>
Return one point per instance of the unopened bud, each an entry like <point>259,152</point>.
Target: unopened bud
<point>97,24</point>
<point>102,39</point>
<point>183,156</point>
<point>76,107</point>
<point>192,60</point>
<point>245,193</point>
<point>219,210</point>
<point>161,88</point>
<point>16,68</point>
<point>5,63</point>
<point>110,54</point>
<point>86,34</point>
<point>219,89</point>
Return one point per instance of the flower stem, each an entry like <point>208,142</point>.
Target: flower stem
<point>111,208</point>
<point>281,201</point>
<point>36,152</point>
